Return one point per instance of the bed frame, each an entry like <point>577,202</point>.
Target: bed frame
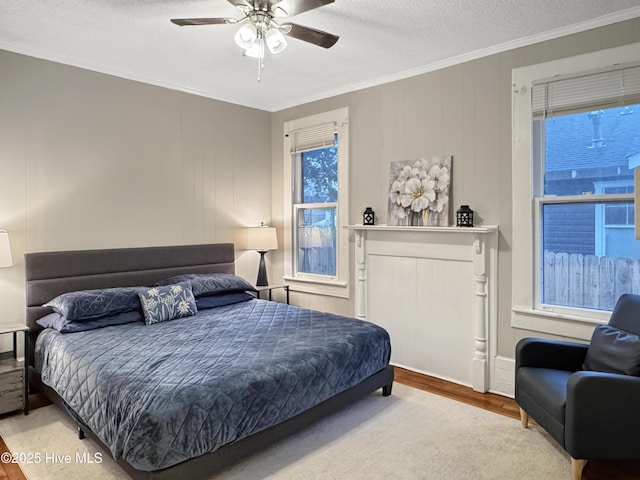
<point>49,274</point>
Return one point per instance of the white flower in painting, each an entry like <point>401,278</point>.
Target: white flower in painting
<point>395,192</point>
<point>440,204</point>
<point>175,289</point>
<point>417,170</point>
<point>153,292</point>
<point>429,189</point>
<point>418,194</point>
<point>183,307</point>
<point>405,173</point>
<point>441,176</point>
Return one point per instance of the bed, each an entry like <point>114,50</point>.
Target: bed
<point>188,397</point>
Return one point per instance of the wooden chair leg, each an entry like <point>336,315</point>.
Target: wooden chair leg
<point>576,468</point>
<point>524,418</point>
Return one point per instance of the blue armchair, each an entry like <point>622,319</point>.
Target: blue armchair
<point>587,397</point>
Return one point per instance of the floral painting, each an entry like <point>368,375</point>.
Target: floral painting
<point>419,192</point>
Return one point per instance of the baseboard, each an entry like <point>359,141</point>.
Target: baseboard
<point>504,370</point>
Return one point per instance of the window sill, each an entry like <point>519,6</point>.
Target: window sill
<point>554,323</point>
<point>318,287</point>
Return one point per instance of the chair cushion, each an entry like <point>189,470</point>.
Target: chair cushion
<point>614,351</point>
<point>547,387</point>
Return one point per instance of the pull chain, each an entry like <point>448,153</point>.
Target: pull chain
<point>260,67</point>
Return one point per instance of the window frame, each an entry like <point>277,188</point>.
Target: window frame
<point>527,312</point>
<point>306,275</point>
<point>601,222</point>
<point>338,285</point>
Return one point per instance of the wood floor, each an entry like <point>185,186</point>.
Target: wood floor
<point>594,470</point>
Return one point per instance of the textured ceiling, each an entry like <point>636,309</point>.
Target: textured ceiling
<point>380,41</point>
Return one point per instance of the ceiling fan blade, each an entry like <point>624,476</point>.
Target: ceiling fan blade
<point>202,21</point>
<point>311,35</point>
<point>244,5</point>
<point>287,8</point>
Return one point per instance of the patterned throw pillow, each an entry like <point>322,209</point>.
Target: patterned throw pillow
<point>160,304</point>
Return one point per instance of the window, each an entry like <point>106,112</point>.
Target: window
<point>316,168</point>
<point>576,131</point>
<point>586,206</point>
<point>316,210</point>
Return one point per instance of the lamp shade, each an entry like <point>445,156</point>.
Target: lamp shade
<point>5,250</point>
<point>262,239</point>
<point>256,50</point>
<point>275,41</point>
<point>246,35</point>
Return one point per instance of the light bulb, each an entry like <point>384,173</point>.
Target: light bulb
<point>275,41</point>
<point>256,50</point>
<point>246,35</point>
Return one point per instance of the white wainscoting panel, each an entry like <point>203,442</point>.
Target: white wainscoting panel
<point>433,289</point>
<point>503,380</point>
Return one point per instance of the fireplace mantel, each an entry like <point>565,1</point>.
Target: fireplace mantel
<point>434,290</point>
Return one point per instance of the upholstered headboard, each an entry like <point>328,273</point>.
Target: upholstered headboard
<point>49,274</point>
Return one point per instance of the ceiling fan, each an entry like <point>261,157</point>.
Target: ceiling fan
<point>260,29</point>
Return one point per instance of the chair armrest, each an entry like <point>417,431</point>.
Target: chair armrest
<point>545,353</point>
<point>602,418</point>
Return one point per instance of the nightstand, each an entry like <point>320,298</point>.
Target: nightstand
<point>269,288</point>
<point>14,374</point>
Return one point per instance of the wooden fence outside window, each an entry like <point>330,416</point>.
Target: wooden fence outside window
<point>588,281</point>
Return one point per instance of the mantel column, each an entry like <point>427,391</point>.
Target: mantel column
<point>361,275</point>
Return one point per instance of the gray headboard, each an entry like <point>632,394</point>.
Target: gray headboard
<point>49,274</point>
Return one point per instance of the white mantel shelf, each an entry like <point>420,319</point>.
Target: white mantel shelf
<point>393,228</point>
<point>434,290</point>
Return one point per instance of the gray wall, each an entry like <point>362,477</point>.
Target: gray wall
<point>92,161</point>
<point>463,110</point>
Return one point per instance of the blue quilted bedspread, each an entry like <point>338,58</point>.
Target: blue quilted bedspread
<point>158,395</point>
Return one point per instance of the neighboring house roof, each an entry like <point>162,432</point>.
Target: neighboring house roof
<point>572,144</point>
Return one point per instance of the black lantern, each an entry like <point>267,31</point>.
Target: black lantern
<point>368,216</point>
<point>464,216</point>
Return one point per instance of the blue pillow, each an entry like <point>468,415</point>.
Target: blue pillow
<point>211,283</point>
<point>163,303</point>
<point>89,304</point>
<point>220,300</point>
<point>64,325</point>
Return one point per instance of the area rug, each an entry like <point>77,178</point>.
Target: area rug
<point>410,435</point>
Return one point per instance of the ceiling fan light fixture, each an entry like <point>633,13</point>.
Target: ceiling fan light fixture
<point>275,41</point>
<point>256,50</point>
<point>259,31</point>
<point>246,36</point>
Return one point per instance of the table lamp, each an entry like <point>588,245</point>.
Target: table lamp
<point>262,239</point>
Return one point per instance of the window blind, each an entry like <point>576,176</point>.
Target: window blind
<point>589,91</point>
<point>312,138</point>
